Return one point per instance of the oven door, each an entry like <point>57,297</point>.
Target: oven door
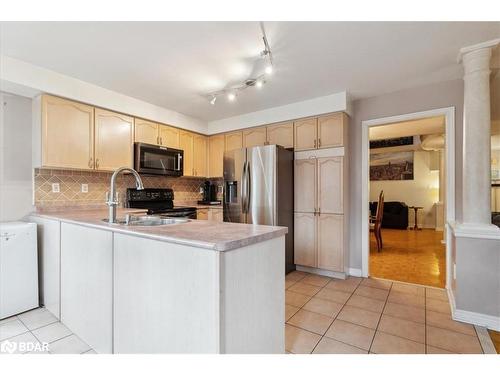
<point>158,160</point>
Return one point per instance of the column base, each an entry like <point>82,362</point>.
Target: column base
<point>476,230</point>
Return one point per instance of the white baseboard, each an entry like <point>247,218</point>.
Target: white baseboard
<point>356,272</point>
<point>321,272</point>
<point>471,317</point>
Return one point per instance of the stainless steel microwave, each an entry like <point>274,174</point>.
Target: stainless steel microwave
<point>158,160</point>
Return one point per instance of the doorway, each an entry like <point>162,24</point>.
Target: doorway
<point>400,244</point>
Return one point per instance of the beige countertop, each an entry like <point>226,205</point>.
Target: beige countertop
<point>212,235</point>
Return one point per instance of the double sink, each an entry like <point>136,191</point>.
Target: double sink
<point>150,220</point>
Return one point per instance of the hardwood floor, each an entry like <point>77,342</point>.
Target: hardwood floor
<point>410,256</point>
<point>495,337</point>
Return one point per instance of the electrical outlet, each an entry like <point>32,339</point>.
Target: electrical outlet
<point>201,190</point>
<point>56,188</point>
<point>85,188</point>
<point>220,189</point>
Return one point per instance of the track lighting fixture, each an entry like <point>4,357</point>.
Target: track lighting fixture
<point>258,81</point>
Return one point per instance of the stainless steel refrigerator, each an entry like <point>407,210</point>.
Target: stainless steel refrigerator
<point>258,189</point>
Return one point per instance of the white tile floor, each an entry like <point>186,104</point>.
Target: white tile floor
<point>26,333</point>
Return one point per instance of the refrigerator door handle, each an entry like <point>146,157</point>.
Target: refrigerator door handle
<point>244,188</point>
<point>249,187</point>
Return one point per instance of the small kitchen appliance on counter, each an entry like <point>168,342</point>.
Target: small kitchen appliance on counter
<point>158,202</point>
<point>209,194</point>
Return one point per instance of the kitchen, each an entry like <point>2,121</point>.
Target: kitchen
<point>230,229</point>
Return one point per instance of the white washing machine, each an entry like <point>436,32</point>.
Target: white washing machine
<point>18,268</point>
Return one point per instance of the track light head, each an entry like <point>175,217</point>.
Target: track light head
<point>213,100</point>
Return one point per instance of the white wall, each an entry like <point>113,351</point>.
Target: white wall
<point>16,184</point>
<point>324,104</point>
<point>30,80</point>
<point>421,191</point>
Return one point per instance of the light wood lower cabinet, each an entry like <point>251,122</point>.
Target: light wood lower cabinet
<point>216,155</point>
<point>330,242</point>
<point>146,132</point>
<point>214,214</point>
<point>114,139</point>
<point>254,137</point>
<point>233,141</point>
<point>319,241</point>
<point>202,213</point>
<point>280,134</point>
<point>67,133</point>
<point>305,239</point>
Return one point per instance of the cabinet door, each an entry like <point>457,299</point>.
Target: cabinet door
<point>330,185</point>
<point>305,134</point>
<point>86,284</point>
<point>280,134</point>
<point>202,213</point>
<point>331,130</point>
<point>215,214</point>
<point>200,155</point>
<point>67,134</point>
<point>254,137</point>
<point>330,242</point>
<point>186,144</point>
<point>305,185</point>
<point>169,136</point>
<point>146,132</point>
<point>234,141</point>
<point>113,140</point>
<point>216,155</point>
<point>305,239</point>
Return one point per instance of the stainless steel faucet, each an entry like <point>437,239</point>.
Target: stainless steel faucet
<point>112,196</point>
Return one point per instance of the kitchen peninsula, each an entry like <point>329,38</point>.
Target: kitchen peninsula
<point>195,287</point>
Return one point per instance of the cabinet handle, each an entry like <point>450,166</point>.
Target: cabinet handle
<point>319,142</point>
<point>90,163</point>
<point>96,163</point>
<point>161,140</point>
<point>314,143</point>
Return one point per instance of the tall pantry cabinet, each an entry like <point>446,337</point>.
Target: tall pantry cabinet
<point>321,198</point>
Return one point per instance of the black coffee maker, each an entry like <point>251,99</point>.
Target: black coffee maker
<point>209,194</point>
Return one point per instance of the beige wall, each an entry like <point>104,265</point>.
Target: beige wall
<point>439,95</point>
<point>421,191</point>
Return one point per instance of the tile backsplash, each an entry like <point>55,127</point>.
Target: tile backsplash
<point>186,189</point>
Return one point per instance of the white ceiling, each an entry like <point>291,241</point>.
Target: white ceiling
<point>424,126</point>
<point>172,64</point>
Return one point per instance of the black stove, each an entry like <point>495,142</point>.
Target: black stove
<point>158,202</point>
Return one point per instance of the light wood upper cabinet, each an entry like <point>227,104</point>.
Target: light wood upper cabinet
<point>305,239</point>
<point>305,185</point>
<point>216,155</point>
<point>186,143</point>
<point>305,134</point>
<point>113,140</point>
<point>280,134</point>
<point>169,136</point>
<point>331,130</point>
<point>330,185</point>
<point>146,132</point>
<point>330,242</point>
<point>200,149</point>
<point>67,134</point>
<point>254,137</point>
<point>234,141</point>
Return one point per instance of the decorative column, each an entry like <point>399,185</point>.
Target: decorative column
<point>476,138</point>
